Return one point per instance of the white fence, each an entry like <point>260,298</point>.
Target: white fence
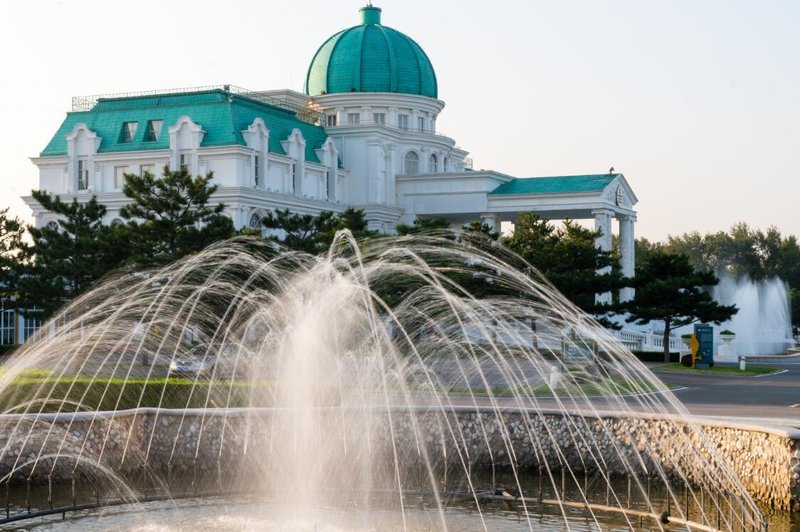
<point>647,341</point>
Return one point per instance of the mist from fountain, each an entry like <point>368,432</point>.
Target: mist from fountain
<point>361,380</point>
<point>763,324</point>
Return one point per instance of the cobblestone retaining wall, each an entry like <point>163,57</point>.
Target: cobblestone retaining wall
<point>767,460</point>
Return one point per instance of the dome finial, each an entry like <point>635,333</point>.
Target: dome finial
<point>370,14</point>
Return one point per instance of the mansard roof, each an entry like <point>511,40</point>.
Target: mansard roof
<point>222,114</point>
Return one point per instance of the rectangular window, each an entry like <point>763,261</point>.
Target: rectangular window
<point>293,171</point>
<point>256,167</point>
<point>7,326</point>
<point>379,118</point>
<point>119,176</point>
<point>353,119</point>
<point>330,120</point>
<point>421,123</point>
<point>83,175</point>
<point>402,122</point>
<point>29,328</point>
<point>153,130</point>
<point>186,162</point>
<point>128,132</point>
<point>149,168</point>
<point>327,178</point>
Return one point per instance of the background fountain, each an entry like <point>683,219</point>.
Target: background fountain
<point>347,386</point>
<point>763,324</point>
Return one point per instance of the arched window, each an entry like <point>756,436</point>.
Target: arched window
<point>411,163</point>
<point>255,221</point>
<point>446,162</point>
<point>433,164</point>
<point>52,224</point>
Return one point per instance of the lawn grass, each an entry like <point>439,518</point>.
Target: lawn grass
<point>724,370</point>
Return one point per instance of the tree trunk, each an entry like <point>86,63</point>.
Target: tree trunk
<point>666,342</point>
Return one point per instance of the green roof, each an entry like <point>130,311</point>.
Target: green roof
<point>222,116</point>
<point>371,58</point>
<point>554,185</point>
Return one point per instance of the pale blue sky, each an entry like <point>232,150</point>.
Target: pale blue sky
<point>696,102</point>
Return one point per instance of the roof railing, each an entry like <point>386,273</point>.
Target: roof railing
<point>409,129</point>
<point>306,114</point>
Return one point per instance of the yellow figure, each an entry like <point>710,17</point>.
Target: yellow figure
<point>694,346</point>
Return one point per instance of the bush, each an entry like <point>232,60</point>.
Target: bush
<point>655,356</point>
<point>686,336</point>
<point>728,332</point>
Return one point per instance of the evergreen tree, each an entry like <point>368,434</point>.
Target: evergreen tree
<point>668,288</point>
<point>63,262</point>
<point>314,234</point>
<point>569,258</point>
<point>11,233</point>
<point>170,216</point>
<point>424,225</point>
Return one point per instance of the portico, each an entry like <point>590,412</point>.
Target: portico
<point>495,198</point>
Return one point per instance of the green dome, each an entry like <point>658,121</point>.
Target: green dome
<point>370,58</point>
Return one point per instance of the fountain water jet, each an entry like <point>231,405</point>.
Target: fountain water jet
<point>362,380</point>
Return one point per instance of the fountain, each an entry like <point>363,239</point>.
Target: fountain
<point>367,388</point>
<point>763,324</point>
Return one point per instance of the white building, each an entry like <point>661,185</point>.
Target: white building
<point>363,135</point>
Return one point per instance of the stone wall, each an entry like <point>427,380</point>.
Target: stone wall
<point>209,443</point>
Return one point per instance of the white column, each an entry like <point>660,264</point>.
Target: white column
<point>602,223</point>
<point>627,253</point>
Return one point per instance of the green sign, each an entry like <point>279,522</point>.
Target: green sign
<point>705,349</point>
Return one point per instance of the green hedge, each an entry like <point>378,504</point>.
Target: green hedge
<point>655,356</point>
<point>65,394</point>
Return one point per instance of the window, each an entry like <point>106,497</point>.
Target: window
<point>411,163</point>
<point>379,118</point>
<point>256,167</point>
<point>29,328</point>
<point>421,123</point>
<point>327,178</point>
<point>186,162</point>
<point>292,181</point>
<point>445,163</point>
<point>402,122</point>
<point>128,132</point>
<point>119,176</point>
<point>330,120</point>
<point>7,326</point>
<point>153,130</point>
<point>149,168</point>
<point>255,221</point>
<point>433,163</point>
<point>52,224</point>
<point>83,175</point>
<point>353,119</point>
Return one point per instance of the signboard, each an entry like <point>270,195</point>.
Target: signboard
<point>703,347</point>
<point>579,350</point>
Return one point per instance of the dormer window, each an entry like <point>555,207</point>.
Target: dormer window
<point>83,174</point>
<point>153,130</point>
<point>128,132</point>
<point>186,161</point>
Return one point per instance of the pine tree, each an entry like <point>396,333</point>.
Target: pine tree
<point>569,258</point>
<point>62,262</point>
<point>668,288</point>
<point>314,234</point>
<point>170,216</point>
<point>12,231</point>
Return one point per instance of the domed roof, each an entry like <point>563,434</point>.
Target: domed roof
<point>370,58</point>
